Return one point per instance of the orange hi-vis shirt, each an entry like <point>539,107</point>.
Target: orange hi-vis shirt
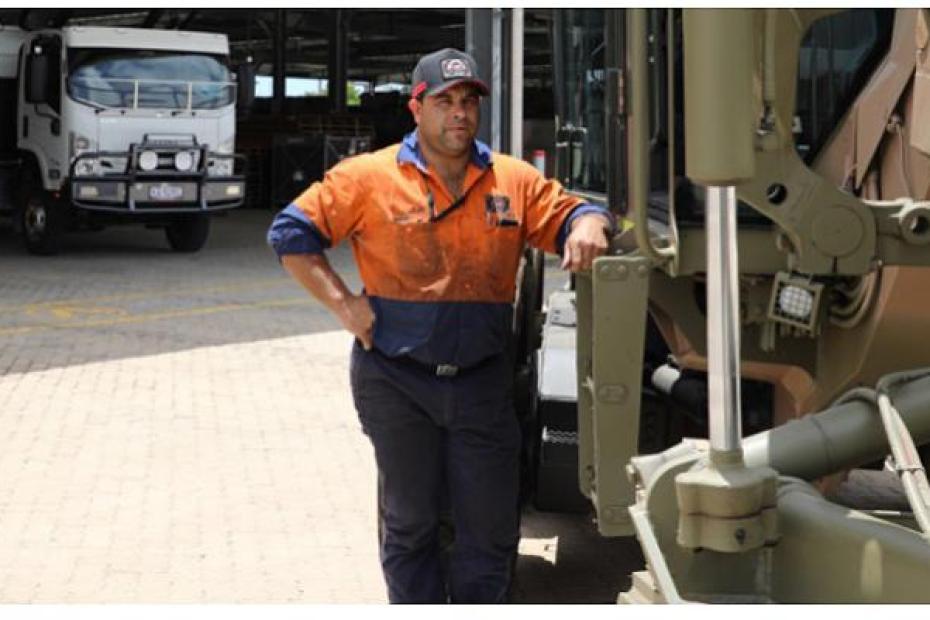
<point>424,257</point>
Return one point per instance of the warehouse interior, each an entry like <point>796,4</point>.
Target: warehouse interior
<point>297,125</point>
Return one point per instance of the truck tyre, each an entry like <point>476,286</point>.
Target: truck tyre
<point>41,219</point>
<point>528,305</point>
<point>188,233</point>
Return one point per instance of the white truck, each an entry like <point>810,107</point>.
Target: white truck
<point>102,126</point>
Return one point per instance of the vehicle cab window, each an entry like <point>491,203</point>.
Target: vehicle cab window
<point>578,41</point>
<point>838,55</point>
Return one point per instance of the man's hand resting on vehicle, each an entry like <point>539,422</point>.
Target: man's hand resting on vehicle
<point>587,241</point>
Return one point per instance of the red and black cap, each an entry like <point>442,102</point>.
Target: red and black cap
<point>443,69</point>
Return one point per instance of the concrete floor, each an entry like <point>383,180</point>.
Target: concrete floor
<point>178,428</point>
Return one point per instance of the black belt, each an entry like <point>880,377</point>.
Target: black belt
<point>439,370</point>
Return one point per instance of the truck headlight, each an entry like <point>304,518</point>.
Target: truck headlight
<point>148,160</point>
<point>87,168</point>
<point>220,167</point>
<point>183,161</point>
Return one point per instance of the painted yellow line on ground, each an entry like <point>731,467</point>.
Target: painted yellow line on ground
<point>66,312</point>
<point>152,293</point>
<point>155,316</point>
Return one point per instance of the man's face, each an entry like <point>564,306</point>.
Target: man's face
<point>448,121</point>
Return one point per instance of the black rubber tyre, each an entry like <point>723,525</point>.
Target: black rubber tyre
<point>528,304</point>
<point>188,233</point>
<point>41,219</point>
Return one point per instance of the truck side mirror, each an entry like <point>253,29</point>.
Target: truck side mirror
<point>37,72</point>
<point>245,77</point>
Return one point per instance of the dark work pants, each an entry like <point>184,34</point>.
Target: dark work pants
<point>434,435</point>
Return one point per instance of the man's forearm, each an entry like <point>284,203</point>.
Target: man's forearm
<point>315,274</point>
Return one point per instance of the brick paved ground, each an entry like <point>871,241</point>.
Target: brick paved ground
<point>177,428</point>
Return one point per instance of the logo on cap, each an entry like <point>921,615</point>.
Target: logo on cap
<point>454,68</point>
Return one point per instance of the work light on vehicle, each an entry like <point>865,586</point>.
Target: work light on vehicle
<point>148,160</point>
<point>184,161</point>
<point>795,301</point>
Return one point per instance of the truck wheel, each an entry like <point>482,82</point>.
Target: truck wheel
<point>41,220</point>
<point>188,233</point>
<point>528,304</point>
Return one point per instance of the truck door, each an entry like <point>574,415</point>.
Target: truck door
<point>40,125</point>
<point>582,63</point>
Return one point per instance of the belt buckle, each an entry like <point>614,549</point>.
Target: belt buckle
<point>446,370</point>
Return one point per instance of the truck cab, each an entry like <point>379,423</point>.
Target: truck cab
<point>124,125</point>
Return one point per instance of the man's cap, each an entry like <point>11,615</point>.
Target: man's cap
<point>443,69</point>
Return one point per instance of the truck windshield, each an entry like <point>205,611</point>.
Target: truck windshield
<point>118,78</point>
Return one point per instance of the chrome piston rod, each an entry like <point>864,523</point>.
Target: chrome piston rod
<point>723,344</point>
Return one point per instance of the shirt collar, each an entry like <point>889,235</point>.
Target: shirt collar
<point>410,152</point>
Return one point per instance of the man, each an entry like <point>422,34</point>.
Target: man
<point>437,226</point>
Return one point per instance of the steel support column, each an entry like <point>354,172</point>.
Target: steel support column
<point>337,71</point>
<point>516,83</point>
<point>487,40</point>
<point>280,70</point>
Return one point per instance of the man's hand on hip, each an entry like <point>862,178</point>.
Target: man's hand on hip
<point>357,317</point>
<point>316,275</point>
<point>587,241</point>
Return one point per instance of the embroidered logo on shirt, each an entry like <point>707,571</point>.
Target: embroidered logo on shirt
<point>497,211</point>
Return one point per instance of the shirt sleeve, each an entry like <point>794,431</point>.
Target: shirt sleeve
<point>550,211</point>
<point>580,210</point>
<point>292,232</point>
<point>325,214</point>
